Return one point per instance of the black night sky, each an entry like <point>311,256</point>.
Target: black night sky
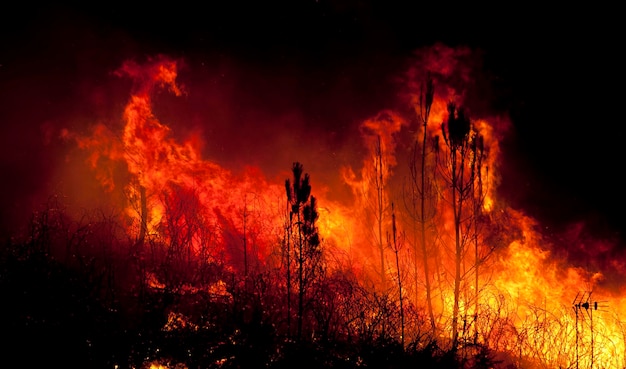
<point>558,73</point>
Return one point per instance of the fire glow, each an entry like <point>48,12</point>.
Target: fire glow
<point>490,278</point>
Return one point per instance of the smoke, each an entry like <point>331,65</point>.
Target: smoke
<point>263,99</point>
<point>274,96</point>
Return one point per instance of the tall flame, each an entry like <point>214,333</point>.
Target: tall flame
<point>513,294</point>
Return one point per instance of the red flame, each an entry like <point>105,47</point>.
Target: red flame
<point>521,299</point>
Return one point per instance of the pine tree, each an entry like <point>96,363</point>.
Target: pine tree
<point>303,231</point>
<point>460,169</point>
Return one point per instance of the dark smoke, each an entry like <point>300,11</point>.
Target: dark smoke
<point>266,79</point>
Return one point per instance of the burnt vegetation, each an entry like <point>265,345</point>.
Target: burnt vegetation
<point>171,279</point>
<point>82,293</point>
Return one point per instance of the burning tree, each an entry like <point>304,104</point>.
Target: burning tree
<point>372,188</point>
<point>460,169</point>
<point>302,232</point>
<point>420,198</point>
<point>198,230</point>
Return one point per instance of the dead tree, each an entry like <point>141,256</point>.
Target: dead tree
<point>303,216</point>
<point>379,184</point>
<point>421,198</point>
<point>396,246</point>
<point>460,172</point>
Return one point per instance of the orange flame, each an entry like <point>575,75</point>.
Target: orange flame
<point>521,299</point>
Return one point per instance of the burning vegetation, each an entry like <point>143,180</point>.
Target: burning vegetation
<point>190,264</point>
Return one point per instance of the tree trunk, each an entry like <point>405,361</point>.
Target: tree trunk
<point>380,192</point>
<point>144,215</point>
<point>423,233</point>
<point>458,249</point>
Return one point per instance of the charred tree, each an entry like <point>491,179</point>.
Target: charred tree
<point>298,191</point>
<point>421,197</point>
<point>396,246</point>
<point>302,231</point>
<point>309,258</point>
<point>379,184</point>
<point>460,172</point>
<point>144,215</point>
<point>478,201</point>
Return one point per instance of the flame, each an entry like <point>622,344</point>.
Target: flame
<point>173,194</point>
<point>159,365</point>
<point>514,294</point>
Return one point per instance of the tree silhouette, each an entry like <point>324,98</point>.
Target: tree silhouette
<point>421,198</point>
<point>303,216</point>
<point>379,185</point>
<point>396,245</point>
<point>460,170</point>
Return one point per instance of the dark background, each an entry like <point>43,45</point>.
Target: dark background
<point>559,75</point>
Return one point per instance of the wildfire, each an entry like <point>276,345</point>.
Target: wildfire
<point>481,270</point>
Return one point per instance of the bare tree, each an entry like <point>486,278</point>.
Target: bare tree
<point>459,170</point>
<point>395,245</point>
<point>379,184</point>
<point>478,200</point>
<point>420,199</point>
